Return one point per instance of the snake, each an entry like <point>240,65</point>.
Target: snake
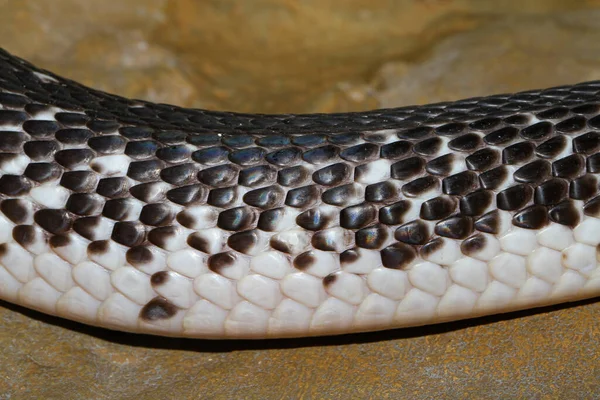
<point>156,219</point>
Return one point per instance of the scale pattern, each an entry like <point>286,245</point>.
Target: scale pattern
<point>152,218</point>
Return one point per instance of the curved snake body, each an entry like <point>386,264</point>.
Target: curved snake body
<point>153,218</point>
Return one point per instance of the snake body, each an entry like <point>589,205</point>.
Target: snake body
<point>153,218</point>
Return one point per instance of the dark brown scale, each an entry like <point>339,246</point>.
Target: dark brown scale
<point>321,155</point>
<point>431,247</point>
<point>42,150</point>
<point>382,192</point>
<point>313,219</point>
<point>476,202</point>
<point>59,241</point>
<point>179,174</point>
<point>416,133</point>
<point>420,186</point>
<point>537,131</point>
<point>468,142</point>
<point>349,256</point>
<point>586,109</point>
<point>14,185</point>
<point>330,279</point>
<point>566,213</point>
<point>302,197</point>
<point>129,233</point>
<point>152,192</point>
<point>341,195</point>
<point>110,144</point>
<point>159,278</point>
<point>221,175</point>
<point>493,178</point>
<point>551,148</point>
<point>269,219</point>
<point>332,175</point>
<point>518,119</point>
<point>40,128</point>
<point>160,236</point>
<point>592,163</point>
<point>305,260</point>
<point>72,158</point>
<point>118,209</point>
<point>416,232</point>
<point>458,227</point>
<point>360,153</point>
<point>428,147</point>
<point>24,235</point>
<point>145,171</point>
<point>103,126</point>
<point>139,256</point>
<point>87,227</point>
<point>79,181</point>
<point>265,198</point>
<point>395,150</point>
<point>113,187</point>
<point>42,172</point>
<point>485,124</point>
<point>407,168</point>
<point>553,113</point>
<point>184,195</point>
<point>518,153</point>
<point>357,216</point>
<point>325,240</point>
<point>244,242</point>
<point>533,217</point>
<point>482,160</point>
<point>583,188</point>
<point>514,198</point>
<point>442,165</point>
<point>587,143</point>
<point>488,223</point>
<point>237,219</point>
<point>280,245</point>
<point>398,256</point>
<point>158,214</point>
<point>11,141</point>
<point>501,136</point>
<point>592,207</point>
<point>394,213</point>
<point>572,125</point>
<point>98,247</point>
<point>256,176</point>
<point>460,184</point>
<point>437,208</point>
<point>56,222</point>
<point>569,167</point>
<point>372,237</point>
<point>73,136</point>
<point>18,211</point>
<point>551,192</point>
<point>451,129</point>
<point>199,243</point>
<point>223,197</point>
<point>534,172</point>
<point>84,204</point>
<point>158,309</point>
<point>473,244</point>
<point>293,176</point>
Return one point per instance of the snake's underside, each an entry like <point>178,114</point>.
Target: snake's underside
<point>153,218</point>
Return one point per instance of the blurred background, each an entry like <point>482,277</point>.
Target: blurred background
<point>308,56</point>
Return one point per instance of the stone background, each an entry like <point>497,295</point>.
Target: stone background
<point>308,56</point>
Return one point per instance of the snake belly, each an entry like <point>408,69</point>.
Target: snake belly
<point>157,219</point>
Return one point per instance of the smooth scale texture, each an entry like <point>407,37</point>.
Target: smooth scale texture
<point>152,218</point>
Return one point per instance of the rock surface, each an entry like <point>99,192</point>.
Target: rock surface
<point>314,55</point>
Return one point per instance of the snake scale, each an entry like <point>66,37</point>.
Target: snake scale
<point>157,219</point>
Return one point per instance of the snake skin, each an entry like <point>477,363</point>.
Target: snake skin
<point>153,218</point>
